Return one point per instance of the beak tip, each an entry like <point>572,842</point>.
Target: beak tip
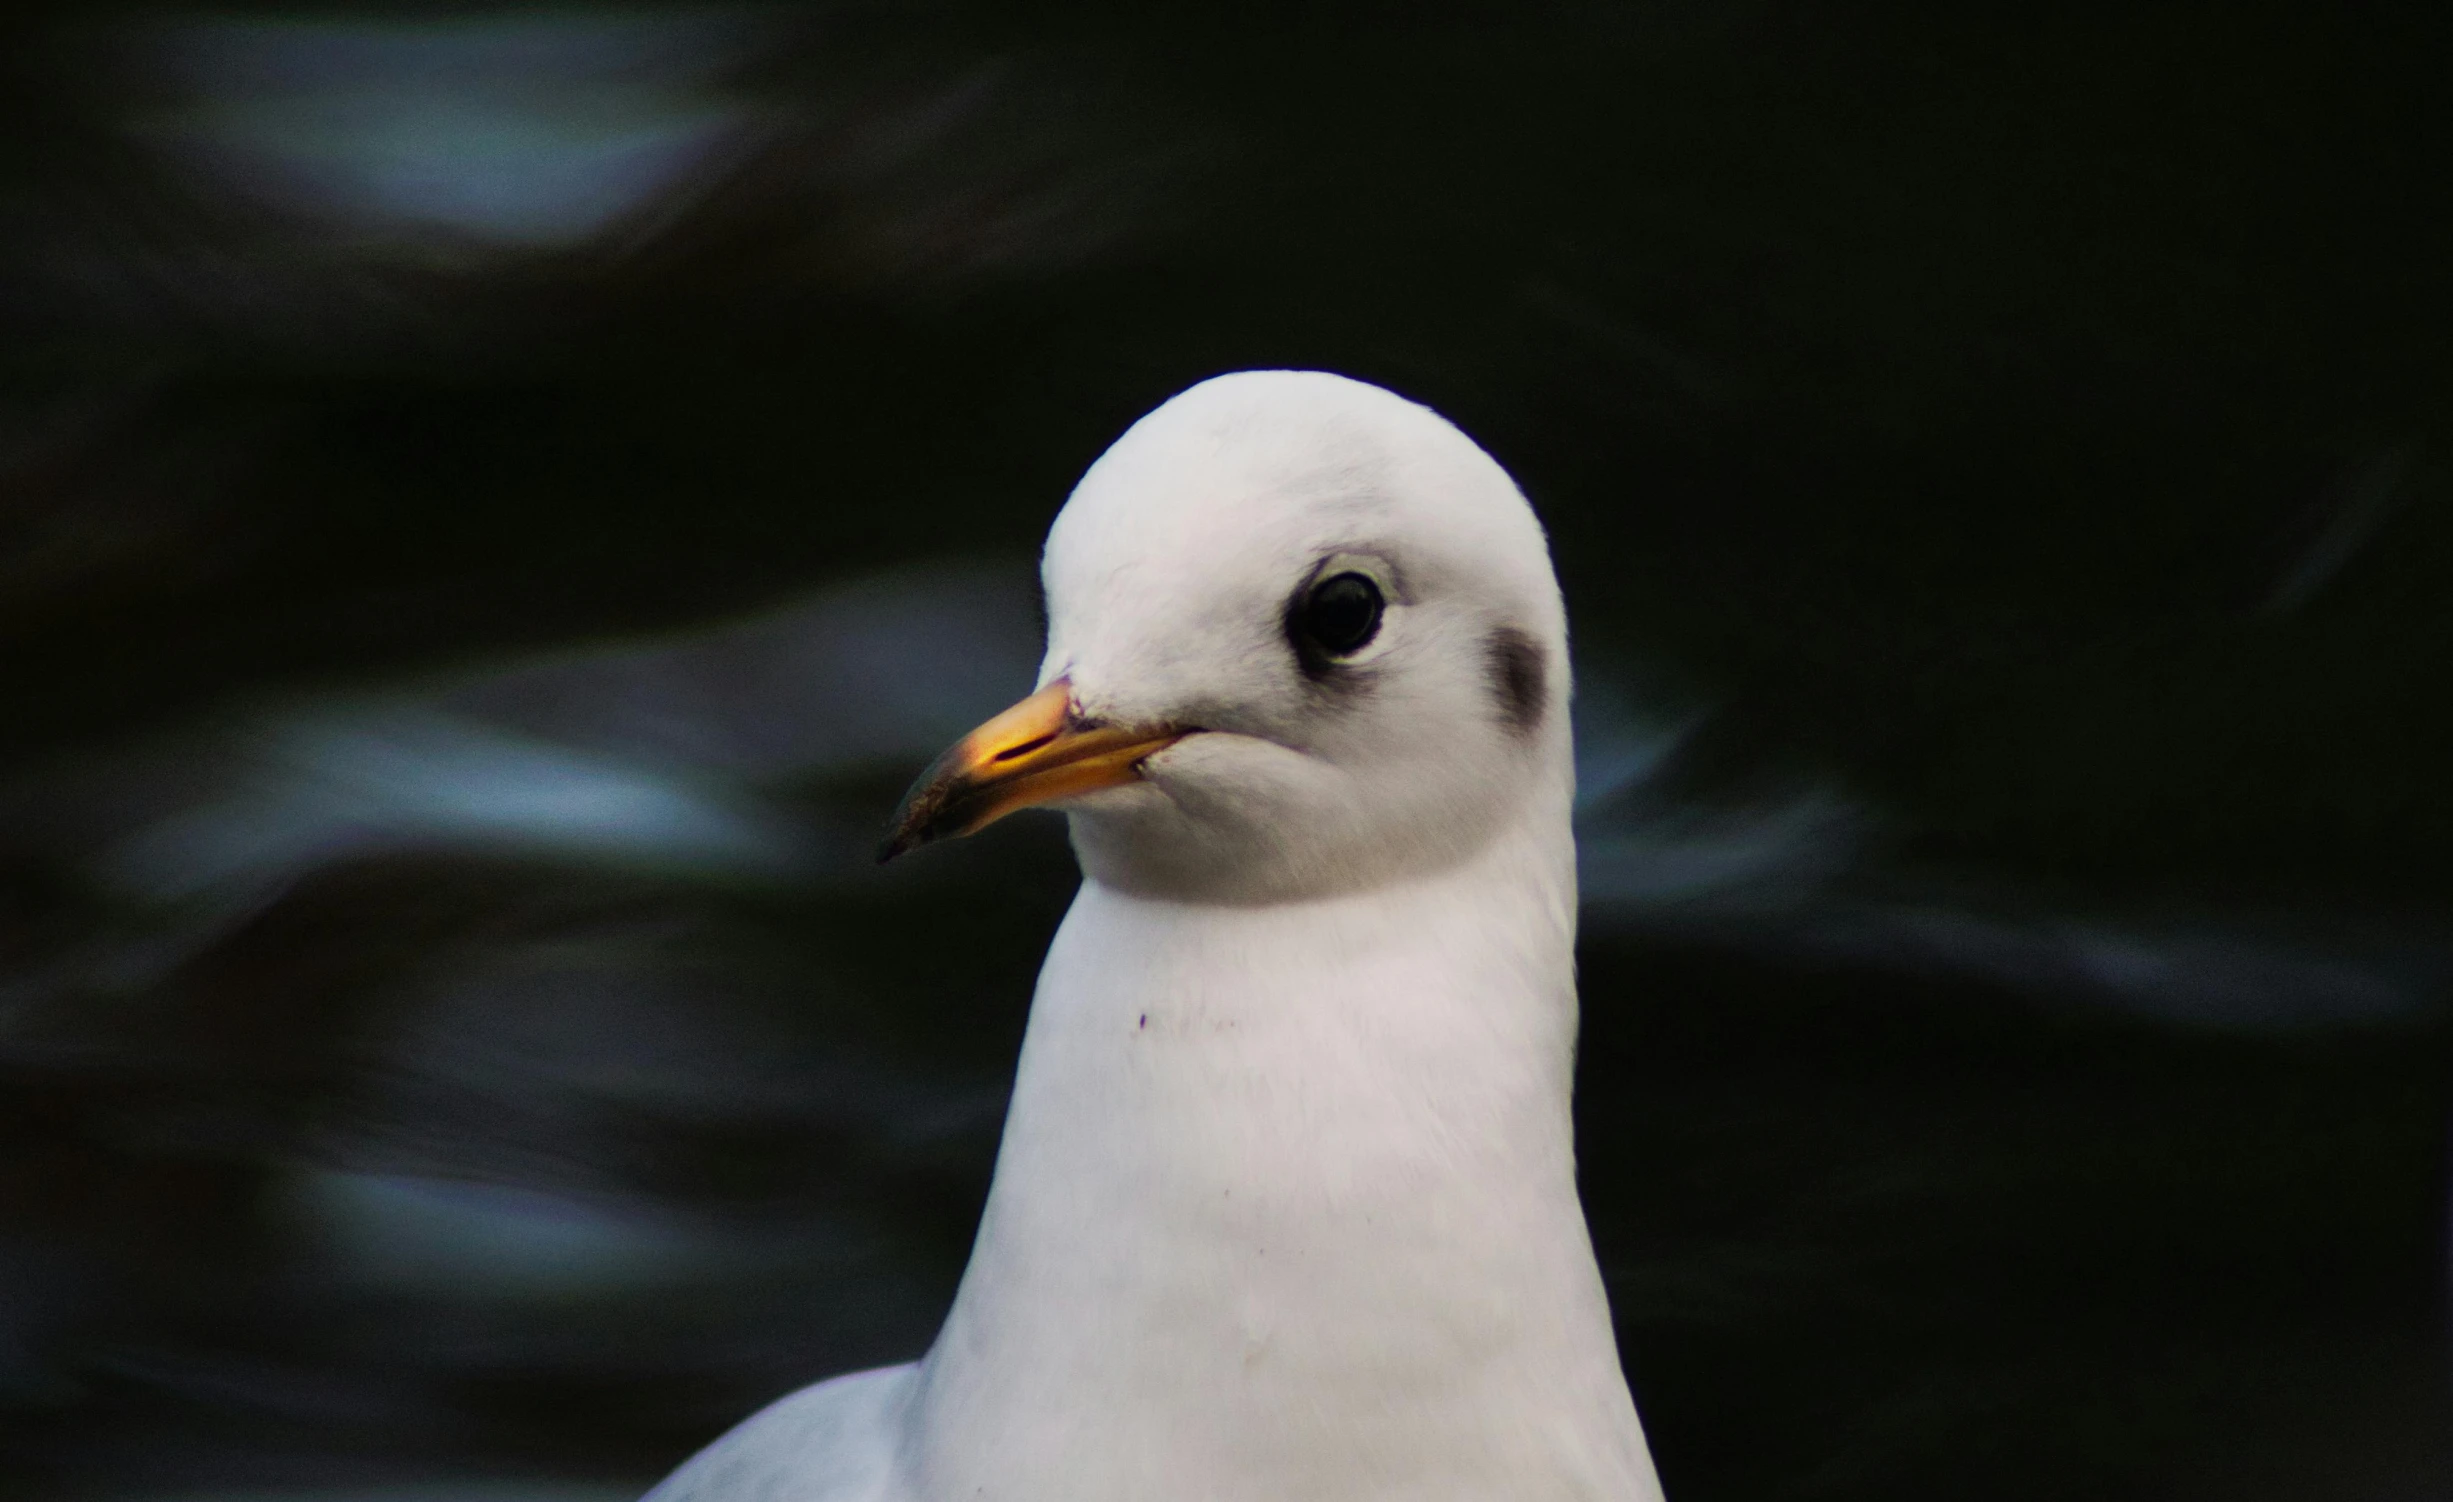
<point>915,820</point>
<point>904,835</point>
<point>1035,753</point>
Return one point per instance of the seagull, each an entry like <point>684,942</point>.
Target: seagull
<point>1285,1208</point>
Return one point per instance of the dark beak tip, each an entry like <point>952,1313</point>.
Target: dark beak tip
<point>902,836</point>
<point>910,828</point>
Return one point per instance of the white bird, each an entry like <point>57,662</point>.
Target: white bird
<point>1286,1208</point>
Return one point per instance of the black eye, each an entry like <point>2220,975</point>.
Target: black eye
<point>1340,616</point>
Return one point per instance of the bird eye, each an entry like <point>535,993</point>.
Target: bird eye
<point>1340,616</point>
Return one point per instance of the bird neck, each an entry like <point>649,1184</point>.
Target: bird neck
<point>1287,1196</point>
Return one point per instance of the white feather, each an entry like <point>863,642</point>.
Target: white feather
<point>1286,1205</point>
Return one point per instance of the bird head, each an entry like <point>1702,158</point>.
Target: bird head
<point>1303,637</point>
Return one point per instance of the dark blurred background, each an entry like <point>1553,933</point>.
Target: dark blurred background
<point>494,503</point>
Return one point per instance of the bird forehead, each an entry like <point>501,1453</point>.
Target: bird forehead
<point>1219,504</point>
<point>1212,532</point>
<point>1214,537</point>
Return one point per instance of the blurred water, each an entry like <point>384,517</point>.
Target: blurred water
<point>443,1491</point>
<point>378,782</point>
<point>527,129</point>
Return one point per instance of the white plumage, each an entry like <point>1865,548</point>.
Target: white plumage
<point>1285,1209</point>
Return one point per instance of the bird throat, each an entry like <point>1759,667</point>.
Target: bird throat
<point>1286,1201</point>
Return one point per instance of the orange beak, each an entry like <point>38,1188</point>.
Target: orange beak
<point>1037,752</point>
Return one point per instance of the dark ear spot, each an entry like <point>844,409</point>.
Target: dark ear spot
<point>1518,678</point>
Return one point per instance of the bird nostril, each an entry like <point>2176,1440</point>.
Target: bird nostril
<point>1024,749</point>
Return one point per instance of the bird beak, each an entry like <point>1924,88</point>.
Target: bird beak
<point>1039,751</point>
